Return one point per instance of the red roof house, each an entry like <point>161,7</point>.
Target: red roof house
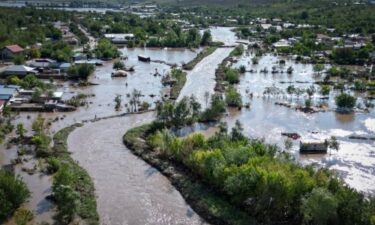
<point>10,51</point>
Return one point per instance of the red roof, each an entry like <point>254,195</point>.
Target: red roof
<point>14,48</point>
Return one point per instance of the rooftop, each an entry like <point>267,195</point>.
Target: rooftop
<point>19,68</point>
<point>14,48</point>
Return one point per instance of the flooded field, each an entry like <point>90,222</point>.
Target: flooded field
<point>102,105</point>
<point>129,190</point>
<point>355,160</point>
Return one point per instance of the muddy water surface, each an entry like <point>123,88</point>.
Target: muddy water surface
<point>129,190</point>
<point>355,161</point>
<point>201,79</point>
<point>101,105</point>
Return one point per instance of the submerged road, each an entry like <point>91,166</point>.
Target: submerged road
<point>202,78</point>
<point>128,190</point>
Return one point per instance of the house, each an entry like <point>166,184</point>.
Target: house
<point>11,51</point>
<point>64,67</point>
<point>42,63</point>
<point>79,56</point>
<point>266,26</point>
<point>8,91</point>
<point>282,43</point>
<point>119,38</point>
<point>313,147</point>
<point>288,25</point>
<point>19,70</point>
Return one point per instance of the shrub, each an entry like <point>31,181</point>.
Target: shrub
<point>233,98</point>
<point>13,192</point>
<point>345,100</point>
<point>23,216</point>
<point>82,71</point>
<point>232,76</point>
<point>118,65</point>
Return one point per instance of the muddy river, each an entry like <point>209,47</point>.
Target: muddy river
<point>102,105</point>
<point>129,190</point>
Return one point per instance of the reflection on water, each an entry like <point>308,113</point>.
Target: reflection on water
<point>344,118</point>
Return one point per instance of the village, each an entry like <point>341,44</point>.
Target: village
<point>294,88</point>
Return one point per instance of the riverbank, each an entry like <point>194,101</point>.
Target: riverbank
<point>209,204</point>
<point>81,182</point>
<point>203,54</point>
<point>201,80</point>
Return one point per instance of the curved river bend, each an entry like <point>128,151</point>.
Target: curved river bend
<point>129,191</point>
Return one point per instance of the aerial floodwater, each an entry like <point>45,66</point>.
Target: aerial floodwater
<point>99,121</point>
<point>354,161</point>
<point>129,190</point>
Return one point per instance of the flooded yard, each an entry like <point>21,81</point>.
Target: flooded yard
<point>355,160</point>
<point>129,191</point>
<point>101,104</point>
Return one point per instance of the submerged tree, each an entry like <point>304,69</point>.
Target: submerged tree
<point>118,102</point>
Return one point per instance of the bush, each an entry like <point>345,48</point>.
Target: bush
<point>267,185</point>
<point>23,216</point>
<point>345,100</point>
<point>118,65</point>
<point>13,192</point>
<point>216,109</point>
<point>81,71</point>
<point>106,50</point>
<point>53,165</point>
<point>233,98</point>
<point>238,51</point>
<point>232,76</point>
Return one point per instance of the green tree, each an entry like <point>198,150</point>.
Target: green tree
<point>13,192</point>
<point>19,60</point>
<point>345,100</point>
<point>233,98</point>
<point>118,65</point>
<point>206,38</point>
<point>325,90</point>
<point>21,130</point>
<point>320,207</point>
<point>118,102</point>
<point>81,71</point>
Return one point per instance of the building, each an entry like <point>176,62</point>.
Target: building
<point>19,70</point>
<point>42,63</point>
<point>11,51</point>
<point>266,26</point>
<point>8,91</point>
<point>64,67</point>
<point>119,38</point>
<point>281,44</point>
<point>313,147</point>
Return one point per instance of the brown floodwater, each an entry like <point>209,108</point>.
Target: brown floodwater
<point>129,190</point>
<point>355,160</point>
<point>102,105</point>
<point>201,79</point>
